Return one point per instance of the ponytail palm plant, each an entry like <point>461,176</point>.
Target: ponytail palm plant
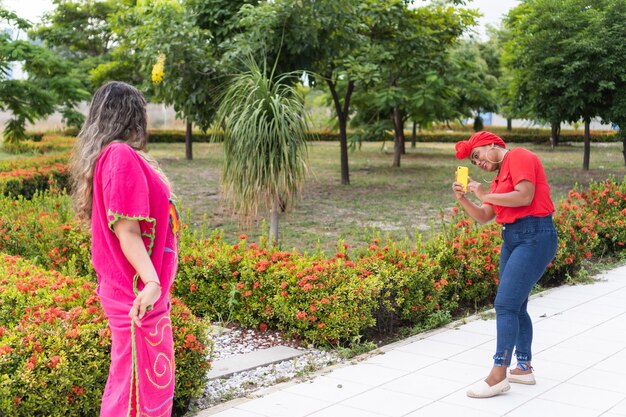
<point>265,146</point>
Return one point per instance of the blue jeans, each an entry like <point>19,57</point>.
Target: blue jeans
<point>528,246</point>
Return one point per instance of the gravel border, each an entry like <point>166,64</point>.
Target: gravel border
<point>235,341</point>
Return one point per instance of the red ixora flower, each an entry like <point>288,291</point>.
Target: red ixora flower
<point>54,361</point>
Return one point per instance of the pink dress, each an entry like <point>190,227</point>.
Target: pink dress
<point>141,376</point>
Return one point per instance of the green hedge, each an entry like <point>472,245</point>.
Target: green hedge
<point>539,136</point>
<point>177,136</point>
<point>157,136</point>
<point>516,136</point>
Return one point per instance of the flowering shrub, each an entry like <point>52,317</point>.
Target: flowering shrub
<point>307,297</point>
<point>46,144</point>
<point>24,177</point>
<point>320,300</point>
<point>470,256</point>
<point>576,226</point>
<point>45,230</point>
<point>192,347</point>
<point>34,162</point>
<point>412,284</point>
<point>55,343</point>
<point>311,297</point>
<point>334,299</point>
<point>26,182</point>
<point>606,202</point>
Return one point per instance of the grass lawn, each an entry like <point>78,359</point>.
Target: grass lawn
<point>7,156</point>
<point>380,199</point>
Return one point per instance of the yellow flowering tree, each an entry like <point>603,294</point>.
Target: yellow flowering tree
<point>158,70</point>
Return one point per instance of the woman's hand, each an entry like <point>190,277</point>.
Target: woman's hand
<point>145,299</point>
<point>482,214</point>
<point>457,188</point>
<point>131,242</point>
<point>476,188</point>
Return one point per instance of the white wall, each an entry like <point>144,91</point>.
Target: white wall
<point>159,117</point>
<point>497,120</point>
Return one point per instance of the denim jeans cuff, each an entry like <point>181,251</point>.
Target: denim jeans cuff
<point>500,358</point>
<point>522,357</point>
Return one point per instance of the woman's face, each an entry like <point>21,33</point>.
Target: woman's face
<point>485,157</point>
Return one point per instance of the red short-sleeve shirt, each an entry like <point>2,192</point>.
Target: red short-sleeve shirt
<point>521,164</point>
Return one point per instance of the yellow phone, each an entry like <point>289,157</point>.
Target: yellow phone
<point>462,176</point>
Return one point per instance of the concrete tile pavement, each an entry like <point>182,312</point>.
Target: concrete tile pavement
<point>579,359</point>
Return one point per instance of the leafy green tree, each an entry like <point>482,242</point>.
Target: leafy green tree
<point>563,59</point>
<point>122,62</point>
<point>473,81</point>
<point>411,47</point>
<point>81,32</point>
<point>491,51</point>
<point>176,54</point>
<point>431,102</point>
<point>341,43</point>
<point>220,18</point>
<point>265,133</point>
<point>326,38</point>
<point>612,27</point>
<point>49,86</point>
<point>179,47</point>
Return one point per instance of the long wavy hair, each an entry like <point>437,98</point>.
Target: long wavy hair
<point>117,114</point>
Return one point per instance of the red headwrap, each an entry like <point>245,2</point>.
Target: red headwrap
<point>464,147</point>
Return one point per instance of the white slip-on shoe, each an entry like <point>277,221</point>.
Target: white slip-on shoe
<point>483,390</point>
<point>526,379</point>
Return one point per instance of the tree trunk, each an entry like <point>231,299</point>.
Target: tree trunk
<point>342,118</point>
<point>273,237</point>
<point>555,132</point>
<point>343,150</point>
<point>587,145</point>
<point>414,136</point>
<point>188,150</point>
<point>398,136</point>
<point>623,145</point>
<point>509,124</point>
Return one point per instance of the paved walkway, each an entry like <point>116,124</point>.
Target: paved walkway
<point>579,360</point>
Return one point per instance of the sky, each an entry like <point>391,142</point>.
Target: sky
<point>28,9</point>
<point>491,9</point>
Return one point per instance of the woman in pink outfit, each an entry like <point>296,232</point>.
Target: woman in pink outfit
<point>121,191</point>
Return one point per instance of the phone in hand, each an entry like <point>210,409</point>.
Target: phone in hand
<point>462,176</point>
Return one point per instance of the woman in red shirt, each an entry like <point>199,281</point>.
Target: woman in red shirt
<point>519,199</point>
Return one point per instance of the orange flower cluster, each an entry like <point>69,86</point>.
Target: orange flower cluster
<point>54,339</point>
